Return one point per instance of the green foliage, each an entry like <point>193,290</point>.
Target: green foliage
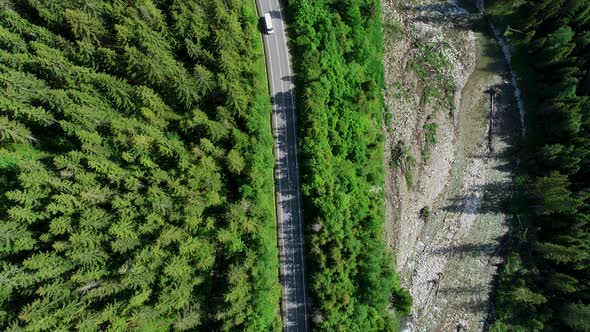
<point>340,76</point>
<point>425,213</point>
<point>402,158</point>
<point>543,285</point>
<point>392,29</point>
<point>430,130</point>
<point>136,167</point>
<point>576,316</point>
<point>402,300</point>
<point>430,65</point>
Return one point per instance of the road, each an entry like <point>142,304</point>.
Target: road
<point>294,306</point>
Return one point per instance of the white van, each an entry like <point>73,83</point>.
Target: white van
<point>268,23</point>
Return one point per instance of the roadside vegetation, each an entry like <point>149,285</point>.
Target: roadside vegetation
<point>136,169</point>
<point>544,283</point>
<point>337,48</point>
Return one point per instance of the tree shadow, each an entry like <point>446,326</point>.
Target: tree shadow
<point>471,250</point>
<point>476,306</point>
<point>290,227</point>
<point>494,197</point>
<point>288,78</point>
<point>262,25</point>
<point>443,14</point>
<point>275,14</point>
<point>287,170</point>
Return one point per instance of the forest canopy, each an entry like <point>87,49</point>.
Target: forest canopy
<point>337,47</point>
<point>544,283</point>
<point>136,167</point>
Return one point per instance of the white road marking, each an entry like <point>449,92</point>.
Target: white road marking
<point>290,89</point>
<point>301,238</point>
<point>280,197</point>
<point>288,179</point>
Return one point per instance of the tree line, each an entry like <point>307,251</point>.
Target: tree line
<point>136,167</point>
<point>544,282</point>
<point>339,75</point>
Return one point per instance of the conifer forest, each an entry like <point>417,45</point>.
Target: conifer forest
<point>138,165</point>
<point>545,282</point>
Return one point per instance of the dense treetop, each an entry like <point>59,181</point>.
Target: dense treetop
<point>136,167</point>
<point>545,282</point>
<point>337,47</point>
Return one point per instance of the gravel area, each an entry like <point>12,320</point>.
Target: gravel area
<point>448,256</point>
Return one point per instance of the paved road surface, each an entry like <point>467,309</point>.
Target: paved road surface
<point>294,304</point>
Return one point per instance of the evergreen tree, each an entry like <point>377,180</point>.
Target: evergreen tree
<point>124,148</point>
<point>542,286</point>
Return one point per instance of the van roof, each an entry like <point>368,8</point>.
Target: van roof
<point>268,21</point>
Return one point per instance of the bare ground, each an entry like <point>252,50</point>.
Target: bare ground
<point>447,256</point>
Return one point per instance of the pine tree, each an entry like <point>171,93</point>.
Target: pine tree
<point>109,178</point>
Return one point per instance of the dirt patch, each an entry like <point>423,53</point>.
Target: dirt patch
<point>409,28</point>
<point>446,220</point>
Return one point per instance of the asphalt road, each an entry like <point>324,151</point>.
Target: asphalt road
<point>294,306</point>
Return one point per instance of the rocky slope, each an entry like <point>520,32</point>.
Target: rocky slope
<point>450,158</point>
